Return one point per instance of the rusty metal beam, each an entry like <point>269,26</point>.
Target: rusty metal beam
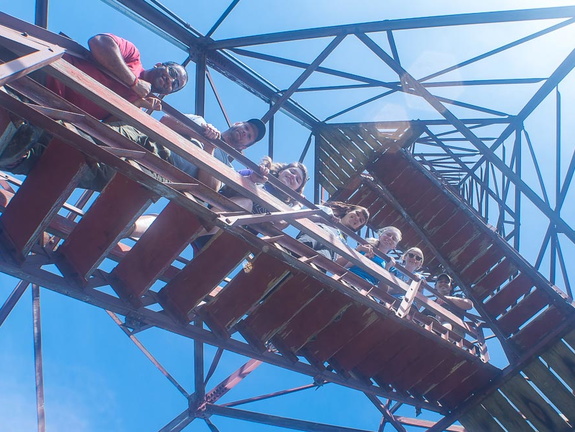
<point>277,421</point>
<point>38,365</point>
<point>11,301</point>
<point>399,24</point>
<point>300,80</point>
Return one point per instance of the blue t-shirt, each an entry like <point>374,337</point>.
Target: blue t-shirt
<point>362,273</point>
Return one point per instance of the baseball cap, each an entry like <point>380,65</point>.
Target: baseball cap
<point>260,126</point>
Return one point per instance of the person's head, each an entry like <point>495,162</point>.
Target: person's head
<point>389,237</point>
<point>167,77</point>
<point>413,258</point>
<point>443,284</point>
<point>352,216</point>
<point>293,175</point>
<point>243,134</point>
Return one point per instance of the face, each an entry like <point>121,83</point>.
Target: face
<point>291,177</point>
<point>241,135</point>
<point>354,220</point>
<point>443,285</point>
<point>167,79</point>
<point>413,259</point>
<point>388,240</point>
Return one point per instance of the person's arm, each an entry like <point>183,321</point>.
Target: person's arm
<point>461,303</point>
<point>210,131</point>
<point>106,52</point>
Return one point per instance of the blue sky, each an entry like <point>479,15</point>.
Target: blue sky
<point>95,378</point>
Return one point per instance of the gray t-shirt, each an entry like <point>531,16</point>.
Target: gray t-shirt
<point>187,166</point>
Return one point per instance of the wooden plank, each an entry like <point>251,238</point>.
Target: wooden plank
<point>468,250</point>
<point>349,356</point>
<point>444,230</point>
<point>494,279</point>
<point>481,263</point>
<point>523,311</point>
<point>508,295</point>
<point>533,406</point>
<point>537,329</point>
<point>331,339</point>
<point>243,292</point>
<point>443,370</point>
<point>421,366</point>
<point>313,318</point>
<point>500,408</point>
<point>562,361</point>
<point>279,308</point>
<point>121,202</point>
<point>391,342</point>
<point>479,419</point>
<point>425,214</point>
<point>389,167</point>
<point>166,238</point>
<point>474,384</point>
<point>450,381</point>
<point>201,275</point>
<point>418,348</point>
<point>552,388</point>
<point>438,212</point>
<point>41,196</point>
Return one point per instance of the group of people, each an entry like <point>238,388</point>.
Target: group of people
<point>116,63</point>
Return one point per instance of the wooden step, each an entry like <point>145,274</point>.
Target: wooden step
<point>40,197</point>
<point>508,295</point>
<point>491,282</point>
<point>245,290</point>
<point>313,318</point>
<point>523,311</point>
<point>500,409</point>
<point>156,250</point>
<point>539,328</point>
<point>276,311</point>
<point>200,276</point>
<point>119,205</point>
<point>331,339</point>
<point>357,349</point>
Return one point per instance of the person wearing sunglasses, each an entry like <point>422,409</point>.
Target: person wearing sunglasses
<point>115,63</point>
<point>411,260</point>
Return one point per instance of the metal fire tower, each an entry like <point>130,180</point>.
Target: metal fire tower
<point>464,185</point>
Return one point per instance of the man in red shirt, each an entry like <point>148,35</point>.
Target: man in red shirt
<point>118,57</point>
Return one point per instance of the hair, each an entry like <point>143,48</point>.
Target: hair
<point>340,209</point>
<point>277,167</point>
<point>390,228</point>
<point>414,249</point>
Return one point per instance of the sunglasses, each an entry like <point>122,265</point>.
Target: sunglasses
<point>176,79</point>
<point>415,257</point>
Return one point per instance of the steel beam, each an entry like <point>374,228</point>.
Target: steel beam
<point>399,24</point>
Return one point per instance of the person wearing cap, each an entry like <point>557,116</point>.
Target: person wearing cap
<point>444,285</point>
<point>240,136</point>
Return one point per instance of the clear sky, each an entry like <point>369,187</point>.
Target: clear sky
<point>96,380</point>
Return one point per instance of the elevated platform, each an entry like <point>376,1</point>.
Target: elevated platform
<point>261,293</point>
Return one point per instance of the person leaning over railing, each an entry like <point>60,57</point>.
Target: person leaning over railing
<point>22,144</point>
<point>293,175</point>
<point>459,304</point>
<point>411,260</point>
<point>351,216</point>
<point>388,239</point>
